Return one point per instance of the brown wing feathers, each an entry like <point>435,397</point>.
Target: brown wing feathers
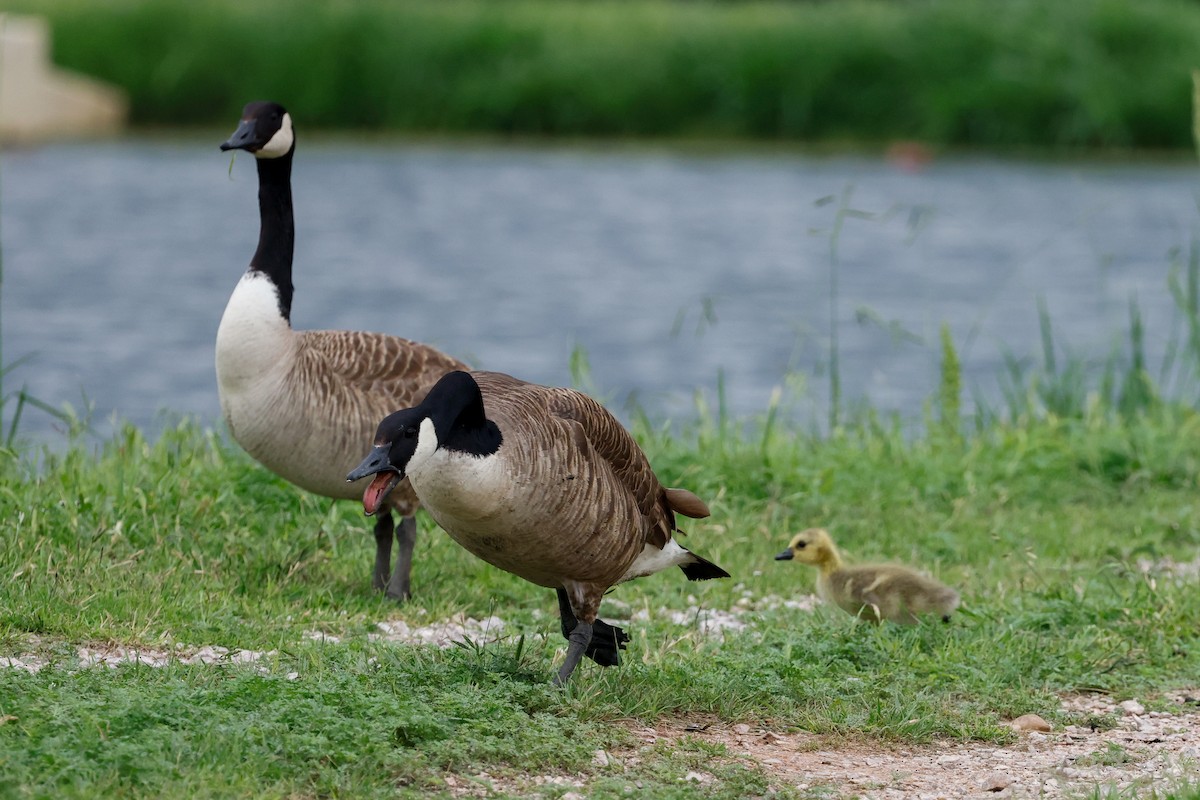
<point>609,439</point>
<point>401,369</point>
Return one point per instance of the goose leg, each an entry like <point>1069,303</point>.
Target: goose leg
<point>383,550</point>
<point>398,587</point>
<point>579,639</point>
<point>606,641</point>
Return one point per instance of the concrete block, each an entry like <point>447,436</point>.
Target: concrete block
<point>39,101</point>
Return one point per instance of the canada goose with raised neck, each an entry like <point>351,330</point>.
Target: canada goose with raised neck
<point>873,592</point>
<point>541,482</point>
<point>333,386</point>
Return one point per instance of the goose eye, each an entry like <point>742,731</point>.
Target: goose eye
<point>410,433</point>
<point>800,545</point>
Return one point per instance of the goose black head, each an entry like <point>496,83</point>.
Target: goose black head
<point>395,444</point>
<point>265,130</point>
<point>451,417</point>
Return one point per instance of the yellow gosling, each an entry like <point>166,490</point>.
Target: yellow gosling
<point>873,592</point>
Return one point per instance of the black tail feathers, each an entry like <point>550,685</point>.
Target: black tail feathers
<point>702,570</point>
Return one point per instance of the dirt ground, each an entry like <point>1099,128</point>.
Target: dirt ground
<point>1146,750</point>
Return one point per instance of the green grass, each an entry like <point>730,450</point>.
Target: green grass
<point>1040,523</point>
<point>996,73</point>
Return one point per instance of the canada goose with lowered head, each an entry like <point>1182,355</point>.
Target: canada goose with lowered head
<point>543,483</point>
<point>873,592</point>
<point>302,402</point>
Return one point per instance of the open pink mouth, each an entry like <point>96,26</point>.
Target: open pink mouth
<point>381,484</point>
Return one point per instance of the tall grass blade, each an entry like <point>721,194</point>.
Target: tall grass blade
<point>1137,391</point>
<point>1196,110</point>
<point>11,436</point>
<point>581,370</point>
<point>1044,327</point>
<point>950,387</point>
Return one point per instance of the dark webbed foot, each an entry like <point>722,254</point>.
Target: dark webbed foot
<point>606,639</point>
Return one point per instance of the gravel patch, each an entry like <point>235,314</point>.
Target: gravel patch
<point>458,629</point>
<point>113,656</point>
<point>711,623</point>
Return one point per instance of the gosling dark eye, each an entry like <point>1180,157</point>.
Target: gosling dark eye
<point>800,545</point>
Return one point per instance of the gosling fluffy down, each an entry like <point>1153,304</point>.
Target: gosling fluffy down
<point>873,592</point>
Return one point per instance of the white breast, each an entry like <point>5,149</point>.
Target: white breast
<point>254,341</point>
<point>255,350</point>
<point>466,492</point>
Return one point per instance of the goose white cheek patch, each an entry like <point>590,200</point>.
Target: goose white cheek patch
<point>280,143</point>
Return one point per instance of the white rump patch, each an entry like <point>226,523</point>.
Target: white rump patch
<point>281,142</point>
<point>652,560</point>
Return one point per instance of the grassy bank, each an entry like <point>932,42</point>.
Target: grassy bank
<point>978,72</point>
<point>1061,533</point>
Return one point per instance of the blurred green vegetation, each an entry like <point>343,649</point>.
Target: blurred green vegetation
<point>997,73</point>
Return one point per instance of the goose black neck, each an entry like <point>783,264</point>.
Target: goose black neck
<point>277,235</point>
<point>459,416</point>
<point>477,438</point>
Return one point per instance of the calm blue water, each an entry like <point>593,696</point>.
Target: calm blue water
<point>667,268</point>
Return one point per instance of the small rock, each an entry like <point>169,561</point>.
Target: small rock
<point>698,777</point>
<point>573,796</point>
<point>741,729</point>
<point>995,782</point>
<point>771,738</point>
<point>1133,707</point>
<point>600,758</point>
<point>1030,722</point>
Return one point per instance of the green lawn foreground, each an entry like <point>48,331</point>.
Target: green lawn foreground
<point>1041,523</point>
